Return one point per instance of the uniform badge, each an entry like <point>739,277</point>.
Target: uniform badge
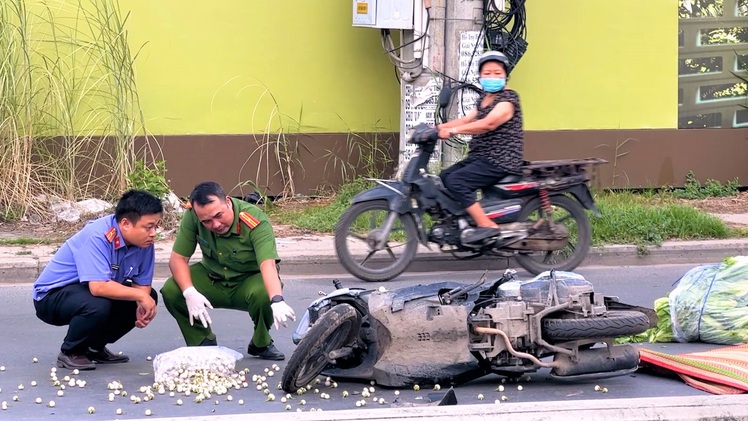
<point>111,234</point>
<point>248,219</point>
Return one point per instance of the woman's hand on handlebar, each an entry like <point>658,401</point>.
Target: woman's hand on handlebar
<point>445,133</point>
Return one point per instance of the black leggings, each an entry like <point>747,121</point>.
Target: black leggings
<point>466,176</point>
<point>94,321</point>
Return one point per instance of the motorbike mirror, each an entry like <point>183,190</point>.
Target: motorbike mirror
<point>483,278</point>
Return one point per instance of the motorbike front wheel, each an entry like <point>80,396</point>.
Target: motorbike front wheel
<point>336,328</point>
<point>570,213</point>
<point>356,237</point>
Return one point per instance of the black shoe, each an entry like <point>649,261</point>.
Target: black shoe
<point>269,352</point>
<point>209,342</point>
<point>105,356</point>
<point>476,235</point>
<point>73,361</point>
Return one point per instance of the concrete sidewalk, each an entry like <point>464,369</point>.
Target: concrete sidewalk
<point>315,255</point>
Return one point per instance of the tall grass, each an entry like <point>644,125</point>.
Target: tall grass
<point>278,148</point>
<point>279,143</point>
<point>69,109</point>
<point>360,155</point>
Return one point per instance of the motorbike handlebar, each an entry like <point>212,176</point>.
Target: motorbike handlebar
<point>423,133</point>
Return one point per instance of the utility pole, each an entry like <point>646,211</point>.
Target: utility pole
<point>461,51</point>
<point>449,48</point>
<point>419,87</point>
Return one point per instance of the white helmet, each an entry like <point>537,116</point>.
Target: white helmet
<point>494,56</point>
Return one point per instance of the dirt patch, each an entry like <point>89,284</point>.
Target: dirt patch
<point>723,205</point>
<point>285,231</point>
<point>47,232</point>
<point>57,231</point>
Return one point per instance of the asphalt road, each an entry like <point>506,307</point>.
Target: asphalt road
<point>24,338</point>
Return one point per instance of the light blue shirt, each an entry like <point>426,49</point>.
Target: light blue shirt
<point>90,256</point>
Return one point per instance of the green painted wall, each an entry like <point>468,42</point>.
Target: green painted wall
<point>596,64</point>
<point>237,66</point>
<point>212,67</point>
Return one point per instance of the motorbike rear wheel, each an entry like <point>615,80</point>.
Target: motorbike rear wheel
<point>615,324</point>
<point>354,229</point>
<point>567,211</point>
<point>335,329</point>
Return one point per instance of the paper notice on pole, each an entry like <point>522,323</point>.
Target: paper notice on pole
<point>420,107</point>
<point>471,47</point>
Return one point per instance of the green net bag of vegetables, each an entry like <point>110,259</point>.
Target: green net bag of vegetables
<point>710,303</point>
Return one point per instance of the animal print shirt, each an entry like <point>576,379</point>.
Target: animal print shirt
<point>503,146</point>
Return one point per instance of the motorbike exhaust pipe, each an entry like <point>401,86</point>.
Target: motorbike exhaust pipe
<point>596,360</point>
<point>601,361</point>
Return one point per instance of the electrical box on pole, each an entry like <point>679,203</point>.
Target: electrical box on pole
<point>383,14</point>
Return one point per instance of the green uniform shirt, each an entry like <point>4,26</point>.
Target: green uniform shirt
<point>237,253</point>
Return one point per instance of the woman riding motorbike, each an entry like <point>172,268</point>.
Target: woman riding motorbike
<point>496,148</point>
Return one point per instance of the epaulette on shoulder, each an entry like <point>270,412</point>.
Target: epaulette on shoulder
<point>249,220</point>
<point>110,234</point>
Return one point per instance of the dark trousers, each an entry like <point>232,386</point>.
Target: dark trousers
<point>465,177</point>
<point>92,321</point>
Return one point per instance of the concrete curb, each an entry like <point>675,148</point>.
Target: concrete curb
<point>320,259</point>
<point>20,270</point>
<point>702,408</point>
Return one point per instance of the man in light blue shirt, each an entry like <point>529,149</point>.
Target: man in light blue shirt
<point>99,282</point>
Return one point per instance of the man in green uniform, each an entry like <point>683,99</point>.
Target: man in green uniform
<point>238,270</point>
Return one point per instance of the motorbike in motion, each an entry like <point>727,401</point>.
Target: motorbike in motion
<point>541,215</point>
<point>449,333</point>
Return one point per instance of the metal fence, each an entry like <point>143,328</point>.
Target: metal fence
<point>707,95</point>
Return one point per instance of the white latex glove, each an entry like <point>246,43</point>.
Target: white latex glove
<point>198,306</point>
<point>281,313</point>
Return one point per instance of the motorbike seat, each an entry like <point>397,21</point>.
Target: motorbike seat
<point>511,178</point>
<point>492,190</point>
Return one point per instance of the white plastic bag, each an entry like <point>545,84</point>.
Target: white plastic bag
<point>198,369</point>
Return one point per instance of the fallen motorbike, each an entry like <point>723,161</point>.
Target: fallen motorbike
<point>541,215</point>
<point>450,333</point>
